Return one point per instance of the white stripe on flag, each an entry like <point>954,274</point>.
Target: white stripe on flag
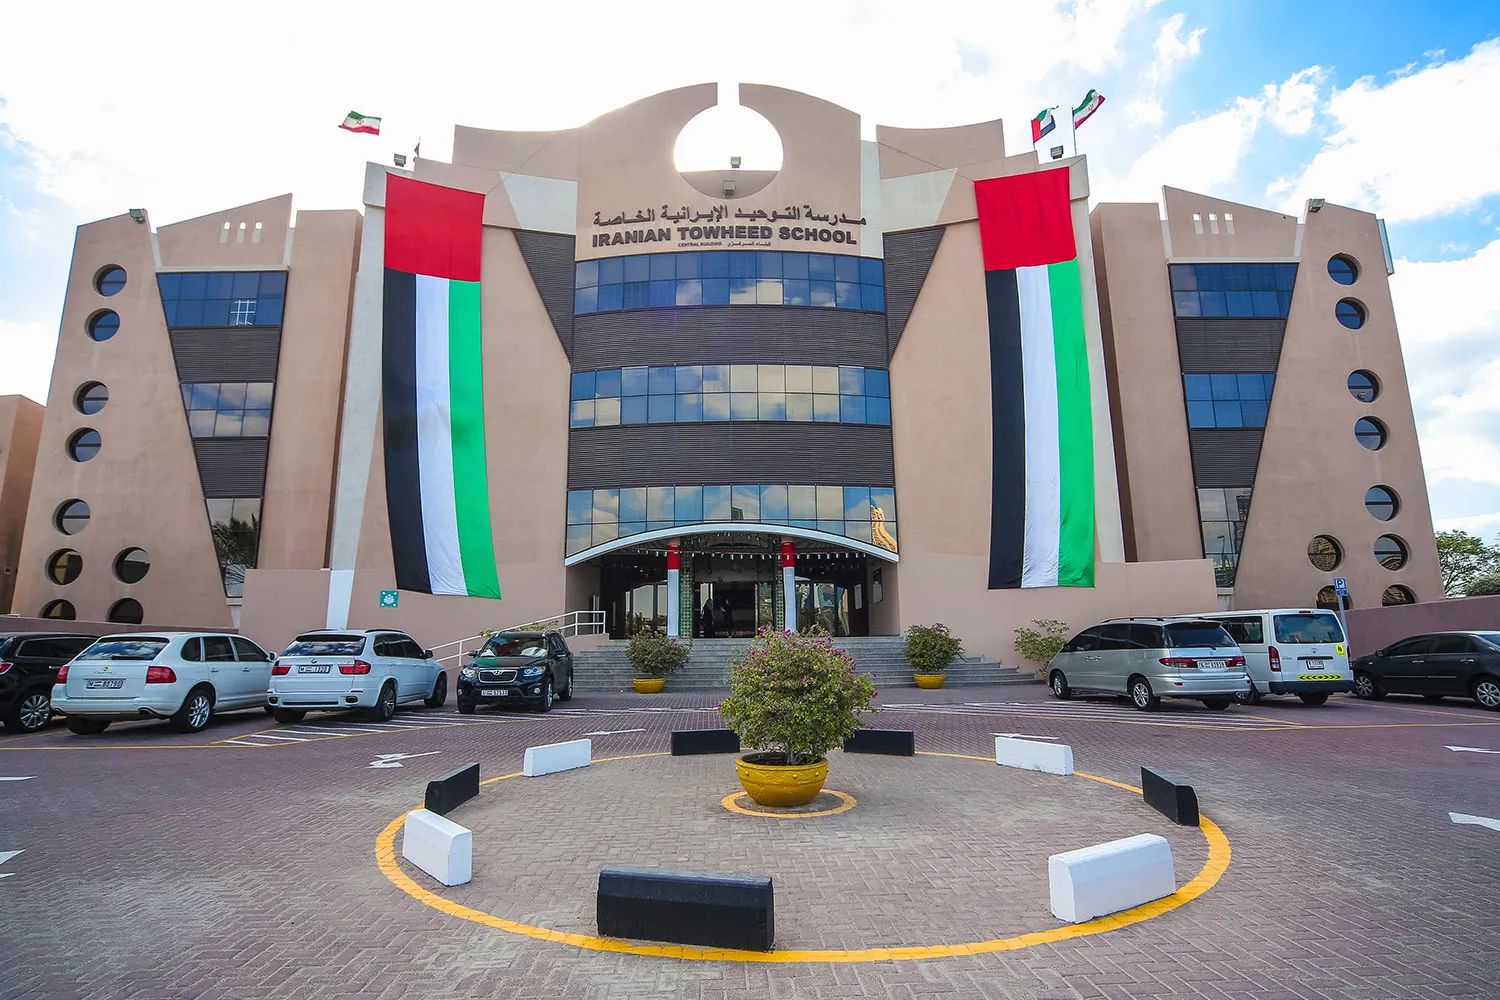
<point>1039,561</point>
<point>445,568</point>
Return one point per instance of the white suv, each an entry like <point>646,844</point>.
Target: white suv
<point>375,670</point>
<point>182,676</point>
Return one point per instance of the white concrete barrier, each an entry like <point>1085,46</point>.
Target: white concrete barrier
<point>557,757</point>
<point>1107,878</point>
<point>438,846</point>
<point>1034,755</point>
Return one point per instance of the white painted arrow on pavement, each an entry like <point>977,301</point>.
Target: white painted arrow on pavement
<point>6,856</point>
<point>395,759</point>
<point>614,732</point>
<point>1472,750</point>
<point>1493,824</point>
<point>26,778</point>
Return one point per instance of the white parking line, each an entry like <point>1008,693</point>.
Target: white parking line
<point>245,743</point>
<point>289,739</point>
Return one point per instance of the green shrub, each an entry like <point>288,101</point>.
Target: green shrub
<point>655,654</point>
<point>930,648</point>
<point>796,695</point>
<point>1483,586</point>
<point>1042,643</point>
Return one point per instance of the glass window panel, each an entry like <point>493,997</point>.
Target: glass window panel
<point>585,274</point>
<point>820,267</point>
<point>201,423</point>
<point>661,380</point>
<point>768,291</point>
<point>1286,276</point>
<point>689,407</point>
<point>846,268</point>
<point>747,500</point>
<point>688,378</point>
<point>687,265</point>
<point>826,408</point>
<point>1200,413</point>
<point>794,265</point>
<point>633,410</point>
<point>1212,304</point>
<point>1266,303</point>
<point>1252,386</point>
<point>716,264</point>
<point>227,424</point>
<point>799,378</point>
<point>1283,303</point>
<point>660,503</point>
<point>170,285</point>
<point>272,284</point>
<point>716,291</point>
<point>606,532</point>
<point>846,295</point>
<point>611,298</point>
<point>851,381</point>
<point>883,498</point>
<point>637,294</point>
<point>205,396</point>
<point>1198,386</point>
<point>194,286</point>
<point>741,291</point>
<point>661,409</point>
<point>715,378</point>
<point>583,385</point>
<point>1185,303</point>
<point>1211,506</point>
<point>268,312</point>
<point>232,395</point>
<point>1270,383</point>
<point>877,382</point>
<point>773,504</point>
<point>830,503</point>
<point>796,292</point>
<point>744,378</point>
<point>218,286</point>
<point>1253,412</point>
<point>1227,414</point>
<point>831,527</point>
<point>1218,538</point>
<point>663,293</point>
<point>580,506</point>
<point>689,292</point>
<point>689,504</point>
<point>633,503</point>
<point>1225,386</point>
<point>662,266</point>
<point>246,509</point>
<point>823,294</point>
<point>872,297</point>
<point>611,270</point>
<point>607,383</point>
<point>716,503</point>
<point>742,263</point>
<point>768,265</point>
<point>870,271</point>
<point>245,285</point>
<point>258,395</point>
<point>771,378</point>
<point>744,406</point>
<point>802,502</point>
<point>799,406</point>
<point>187,396</point>
<point>861,530</point>
<point>856,503</point>
<point>216,312</point>
<point>852,409</point>
<point>877,411</point>
<point>1239,303</point>
<point>772,405</point>
<point>716,406</point>
<point>257,423</point>
<point>607,412</point>
<point>637,268</point>
<point>809,524</point>
<point>580,537</point>
<point>825,379</point>
<point>1184,279</point>
<point>633,381</point>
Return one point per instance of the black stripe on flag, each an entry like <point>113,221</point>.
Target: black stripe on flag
<point>403,481</point>
<point>1007,431</point>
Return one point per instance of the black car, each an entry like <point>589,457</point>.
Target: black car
<point>28,669</point>
<point>1435,665</point>
<point>527,668</point>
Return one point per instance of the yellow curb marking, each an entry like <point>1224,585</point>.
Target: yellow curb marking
<point>731,803</point>
<point>1212,870</point>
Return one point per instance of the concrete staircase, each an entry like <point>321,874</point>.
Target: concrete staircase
<point>707,668</point>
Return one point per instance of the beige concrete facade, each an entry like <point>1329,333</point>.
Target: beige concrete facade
<point>20,432</point>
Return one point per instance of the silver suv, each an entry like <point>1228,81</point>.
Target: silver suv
<point>1148,659</point>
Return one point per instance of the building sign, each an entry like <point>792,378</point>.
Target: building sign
<point>716,227</point>
<point>388,598</point>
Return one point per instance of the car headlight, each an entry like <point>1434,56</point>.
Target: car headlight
<point>532,671</point>
<point>469,673</point>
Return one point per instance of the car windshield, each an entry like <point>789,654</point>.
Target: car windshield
<point>326,645</point>
<point>137,647</point>
<point>515,645</point>
<point>1321,626</point>
<point>1183,634</point>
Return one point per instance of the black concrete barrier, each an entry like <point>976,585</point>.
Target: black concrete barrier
<point>720,911</point>
<point>686,742</point>
<point>452,790</point>
<point>1170,796</point>
<point>894,742</point>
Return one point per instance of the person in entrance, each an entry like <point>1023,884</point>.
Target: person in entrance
<point>706,621</point>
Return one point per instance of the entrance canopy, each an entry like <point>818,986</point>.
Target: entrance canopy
<point>737,527</point>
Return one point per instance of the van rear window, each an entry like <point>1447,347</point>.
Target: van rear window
<point>1183,634</point>
<point>143,647</point>
<point>326,645</point>
<point>1322,626</point>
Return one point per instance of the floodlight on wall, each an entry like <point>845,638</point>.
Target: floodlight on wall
<point>400,159</point>
<point>1057,152</point>
<point>1314,204</point>
<point>734,161</point>
<point>728,188</point>
<point>138,214</point>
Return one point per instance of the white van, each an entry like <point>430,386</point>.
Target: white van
<point>1300,651</point>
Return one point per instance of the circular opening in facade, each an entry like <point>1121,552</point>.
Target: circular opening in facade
<point>127,611</point>
<point>716,137</point>
<point>103,325</point>
<point>59,609</point>
<point>83,445</point>
<point>1343,269</point>
<point>1328,600</point>
<point>1370,432</point>
<point>63,566</point>
<point>1397,594</point>
<point>132,565</point>
<point>109,280</point>
<point>1382,502</point>
<point>1390,552</point>
<point>71,517</point>
<point>91,397</point>
<point>1350,313</point>
<point>1364,386</point>
<point>1324,553</point>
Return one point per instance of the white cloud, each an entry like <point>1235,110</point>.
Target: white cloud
<point>28,349</point>
<point>1200,156</point>
<point>1410,148</point>
<point>1146,111</point>
<point>1291,105</point>
<point>1172,49</point>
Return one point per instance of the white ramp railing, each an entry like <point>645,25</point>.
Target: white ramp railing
<point>571,623</point>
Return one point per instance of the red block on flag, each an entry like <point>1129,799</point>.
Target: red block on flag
<point>1025,219</point>
<point>433,230</point>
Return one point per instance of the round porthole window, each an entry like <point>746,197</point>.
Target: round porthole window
<point>83,445</point>
<point>1397,595</point>
<point>103,325</point>
<point>126,612</point>
<point>1364,386</point>
<point>109,280</point>
<point>1343,269</point>
<point>1390,552</point>
<point>1381,502</point>
<point>71,517</point>
<point>1350,313</point>
<point>59,609</point>
<point>1324,553</point>
<point>91,397</point>
<point>1370,432</point>
<point>132,565</point>
<point>1328,600</point>
<point>63,566</point>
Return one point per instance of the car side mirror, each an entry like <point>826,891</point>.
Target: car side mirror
<point>426,654</point>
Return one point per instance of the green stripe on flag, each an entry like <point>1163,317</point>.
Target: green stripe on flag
<point>471,490</point>
<point>1075,434</point>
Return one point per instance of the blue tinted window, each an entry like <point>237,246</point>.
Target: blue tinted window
<point>768,265</point>
<point>871,272</point>
<point>612,271</point>
<point>1253,412</point>
<point>582,414</point>
<point>877,382</point>
<point>823,293</point>
<point>688,378</point>
<point>692,393</point>
<point>585,300</point>
<point>1228,400</point>
<point>687,265</point>
<point>637,269</point>
<point>1212,304</point>
<point>1200,413</point>
<point>633,410</point>
<point>1225,386</point>
<point>637,294</point>
<point>661,380</point>
<point>1185,303</point>
<point>689,292</point>
<point>228,298</point>
<point>1227,414</point>
<point>583,385</point>
<point>878,411</point>
<point>1240,303</point>
<point>689,407</point>
<point>794,265</point>
<point>1238,290</point>
<point>663,293</point>
<point>846,269</point>
<point>1266,303</point>
<point>1198,386</point>
<point>796,292</point>
<point>608,383</point>
<point>852,409</point>
<point>662,409</point>
<point>1252,386</point>
<point>715,291</point>
<point>852,381</point>
<point>668,280</point>
<point>1184,278</point>
<point>663,266</point>
<point>872,298</point>
<point>585,273</point>
<point>611,297</point>
<point>716,264</point>
<point>633,381</point>
<point>820,267</point>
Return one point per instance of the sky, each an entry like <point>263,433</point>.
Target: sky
<point>189,108</point>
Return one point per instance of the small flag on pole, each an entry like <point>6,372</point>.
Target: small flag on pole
<point>1042,124</point>
<point>356,122</point>
<point>1091,103</point>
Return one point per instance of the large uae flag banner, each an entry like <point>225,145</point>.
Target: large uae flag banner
<point>1042,504</point>
<point>436,483</point>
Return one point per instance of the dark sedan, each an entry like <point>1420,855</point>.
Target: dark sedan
<point>518,668</point>
<point>1435,665</point>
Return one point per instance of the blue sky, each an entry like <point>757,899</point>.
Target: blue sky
<point>186,109</point>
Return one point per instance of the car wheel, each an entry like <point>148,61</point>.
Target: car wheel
<point>466,707</point>
<point>439,691</point>
<point>31,712</point>
<point>1060,689</point>
<point>1313,699</point>
<point>385,705</point>
<point>195,712</point>
<point>288,716</point>
<point>1487,693</point>
<point>546,703</point>
<point>1365,687</point>
<point>1218,704</point>
<point>85,727</point>
<point>1249,696</point>
<point>1141,695</point>
<point>566,694</point>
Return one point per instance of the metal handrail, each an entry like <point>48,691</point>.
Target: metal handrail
<point>571,623</point>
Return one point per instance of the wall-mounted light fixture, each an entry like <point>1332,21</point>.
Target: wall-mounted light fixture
<point>138,214</point>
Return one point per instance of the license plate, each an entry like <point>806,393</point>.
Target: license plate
<point>304,669</point>
<point>1211,664</point>
<point>493,692</point>
<point>109,683</point>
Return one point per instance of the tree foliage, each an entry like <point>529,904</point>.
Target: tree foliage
<point>656,654</point>
<point>1041,644</point>
<point>930,648</point>
<point>1464,559</point>
<point>1484,586</point>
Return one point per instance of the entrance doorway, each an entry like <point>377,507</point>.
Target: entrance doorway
<point>734,609</point>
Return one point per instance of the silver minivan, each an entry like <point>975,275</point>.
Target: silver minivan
<point>1148,659</point>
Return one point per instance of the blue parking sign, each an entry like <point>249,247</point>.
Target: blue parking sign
<point>1340,587</point>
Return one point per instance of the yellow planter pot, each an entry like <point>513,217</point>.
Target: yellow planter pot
<point>781,784</point>
<point>929,681</point>
<point>649,685</point>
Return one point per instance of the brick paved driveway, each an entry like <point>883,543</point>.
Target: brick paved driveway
<point>237,864</point>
